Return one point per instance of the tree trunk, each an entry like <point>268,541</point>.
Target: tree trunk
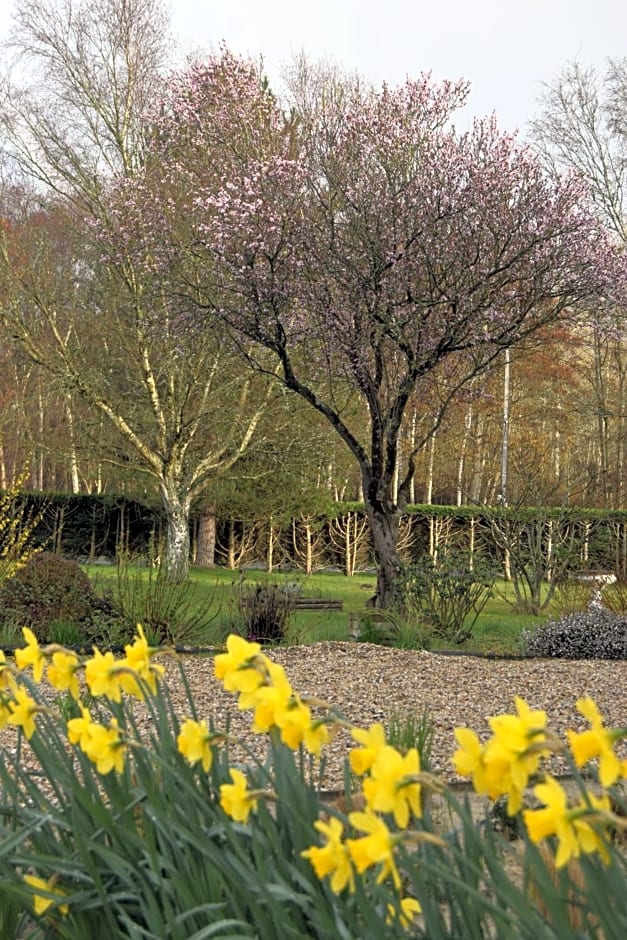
<point>206,550</point>
<point>75,482</point>
<point>230,558</point>
<point>384,528</point>
<point>177,542</point>
<point>308,550</point>
<point>270,547</point>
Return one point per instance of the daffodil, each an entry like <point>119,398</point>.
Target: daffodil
<point>468,759</point>
<point>576,827</point>
<point>409,909</point>
<point>62,672</point>
<point>136,669</point>
<point>294,721</point>
<point>236,799</point>
<point>270,700</point>
<point>237,668</point>
<point>41,902</point>
<point>194,743</point>
<point>372,740</point>
<point>31,655</point>
<point>504,764</point>
<point>23,709</point>
<point>5,711</point>
<point>7,680</point>
<point>79,729</point>
<point>597,742</point>
<point>102,676</point>
<point>375,848</point>
<point>332,858</point>
<point>316,736</point>
<point>392,786</point>
<point>105,747</point>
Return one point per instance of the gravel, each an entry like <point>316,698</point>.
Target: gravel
<point>368,683</point>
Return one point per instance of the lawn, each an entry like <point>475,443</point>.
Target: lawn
<point>210,597</point>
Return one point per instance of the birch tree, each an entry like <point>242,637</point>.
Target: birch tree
<point>77,304</point>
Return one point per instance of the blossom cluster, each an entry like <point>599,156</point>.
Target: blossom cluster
<point>134,674</point>
<point>505,764</point>
<point>104,676</point>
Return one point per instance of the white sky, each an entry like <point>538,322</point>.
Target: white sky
<point>506,50</point>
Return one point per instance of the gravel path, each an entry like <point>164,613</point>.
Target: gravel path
<point>368,683</point>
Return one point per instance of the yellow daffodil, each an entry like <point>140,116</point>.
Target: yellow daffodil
<point>372,741</point>
<point>23,710</point>
<point>573,826</point>
<point>409,909</point>
<point>597,742</point>
<point>42,903</point>
<point>7,680</point>
<point>237,668</point>
<point>194,743</point>
<point>31,655</point>
<point>105,747</point>
<point>504,764</point>
<point>5,711</point>
<point>102,676</point>
<point>468,760</point>
<point>392,787</point>
<point>137,668</point>
<point>138,652</point>
<point>332,858</point>
<point>375,848</point>
<point>236,799</point>
<point>79,729</point>
<point>270,700</point>
<point>62,673</point>
<point>294,720</point>
<point>316,736</point>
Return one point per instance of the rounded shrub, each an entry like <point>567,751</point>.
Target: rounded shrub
<point>48,590</point>
<point>595,633</point>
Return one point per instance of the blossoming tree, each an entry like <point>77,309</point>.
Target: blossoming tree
<point>366,253</point>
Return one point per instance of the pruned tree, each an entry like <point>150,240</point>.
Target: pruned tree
<point>368,252</point>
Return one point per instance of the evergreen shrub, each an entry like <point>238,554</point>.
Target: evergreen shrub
<point>595,633</point>
<point>48,590</point>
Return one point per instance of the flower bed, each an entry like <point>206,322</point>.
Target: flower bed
<point>176,829</point>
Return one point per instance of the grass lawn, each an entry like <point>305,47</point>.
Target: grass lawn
<point>212,592</point>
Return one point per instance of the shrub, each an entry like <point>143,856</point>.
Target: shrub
<point>389,628</point>
<point>571,596</point>
<point>168,611</point>
<point>46,590</point>
<point>591,634</point>
<point>265,610</point>
<point>447,594</point>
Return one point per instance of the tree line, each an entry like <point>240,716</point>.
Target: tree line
<point>221,293</point>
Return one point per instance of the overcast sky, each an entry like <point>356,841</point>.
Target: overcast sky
<point>506,50</point>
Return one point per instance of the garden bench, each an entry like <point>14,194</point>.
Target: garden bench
<point>317,603</point>
<point>304,603</point>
